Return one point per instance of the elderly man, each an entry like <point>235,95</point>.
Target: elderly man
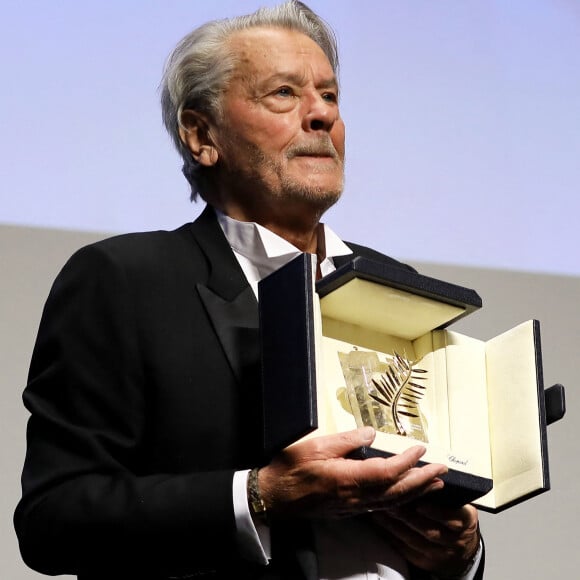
<point>144,457</point>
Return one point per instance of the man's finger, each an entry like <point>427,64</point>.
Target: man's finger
<point>453,518</point>
<point>333,446</point>
<point>386,471</point>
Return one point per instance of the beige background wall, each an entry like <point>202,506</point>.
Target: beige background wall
<point>535,540</point>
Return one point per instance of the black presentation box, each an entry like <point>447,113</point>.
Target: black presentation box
<point>369,345</point>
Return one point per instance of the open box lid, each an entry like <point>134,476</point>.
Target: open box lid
<point>392,299</point>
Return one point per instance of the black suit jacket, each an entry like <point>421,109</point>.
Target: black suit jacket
<point>144,396</point>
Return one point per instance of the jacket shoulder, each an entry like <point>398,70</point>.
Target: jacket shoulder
<point>141,251</point>
<point>145,245</point>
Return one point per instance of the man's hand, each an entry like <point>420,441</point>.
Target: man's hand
<point>438,539</point>
<point>314,478</point>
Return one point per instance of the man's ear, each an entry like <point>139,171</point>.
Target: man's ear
<point>195,134</point>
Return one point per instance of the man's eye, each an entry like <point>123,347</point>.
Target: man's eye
<point>330,97</point>
<point>284,92</point>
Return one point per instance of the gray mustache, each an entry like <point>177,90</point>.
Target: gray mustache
<point>322,148</point>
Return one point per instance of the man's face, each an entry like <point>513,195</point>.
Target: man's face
<point>280,137</point>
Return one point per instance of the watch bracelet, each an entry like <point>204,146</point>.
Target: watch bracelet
<point>255,501</point>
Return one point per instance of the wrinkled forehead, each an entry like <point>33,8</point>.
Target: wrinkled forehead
<point>263,51</point>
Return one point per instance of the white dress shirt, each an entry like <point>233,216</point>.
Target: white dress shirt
<point>367,555</point>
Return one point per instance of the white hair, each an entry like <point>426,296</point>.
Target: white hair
<point>198,70</point>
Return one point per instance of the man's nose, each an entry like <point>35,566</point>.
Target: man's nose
<point>320,114</point>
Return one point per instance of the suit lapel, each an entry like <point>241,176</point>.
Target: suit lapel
<point>236,325</point>
<point>228,298</point>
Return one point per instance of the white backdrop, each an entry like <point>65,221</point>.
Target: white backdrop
<point>463,123</point>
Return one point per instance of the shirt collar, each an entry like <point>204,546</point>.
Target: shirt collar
<point>262,246</point>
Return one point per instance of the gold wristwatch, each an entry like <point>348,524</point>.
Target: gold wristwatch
<point>255,501</point>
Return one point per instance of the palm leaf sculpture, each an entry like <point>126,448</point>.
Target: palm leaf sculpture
<point>399,390</point>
